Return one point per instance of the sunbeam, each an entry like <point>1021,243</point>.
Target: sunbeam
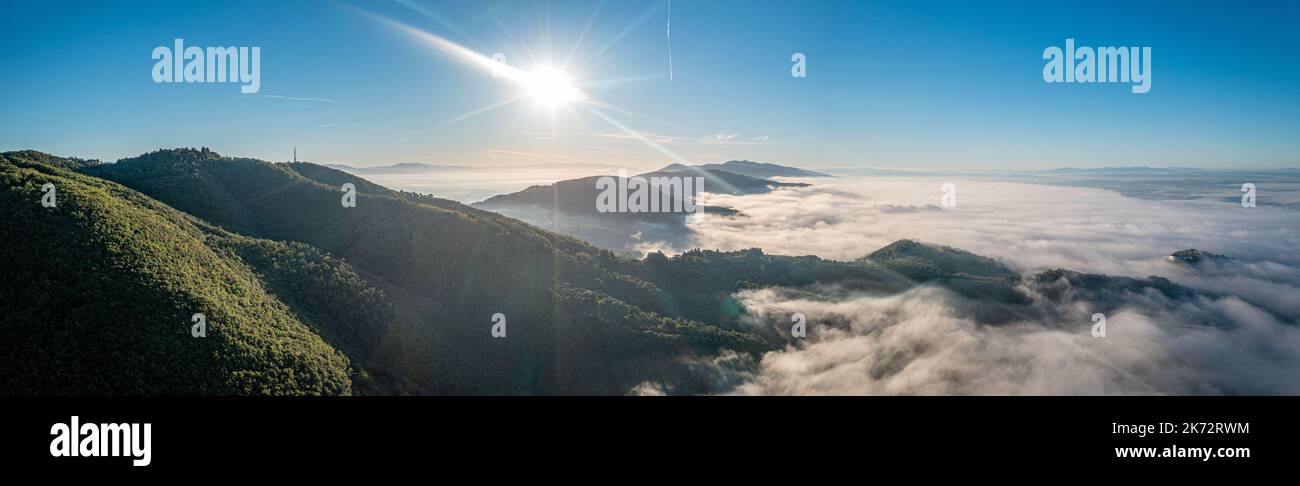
<point>549,86</point>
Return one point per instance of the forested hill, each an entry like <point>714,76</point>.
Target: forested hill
<point>569,207</point>
<point>396,295</point>
<point>99,292</point>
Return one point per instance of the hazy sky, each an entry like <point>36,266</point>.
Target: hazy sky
<point>899,84</point>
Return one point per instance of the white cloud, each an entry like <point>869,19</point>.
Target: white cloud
<point>648,389</point>
<point>919,342</point>
<point>1240,336</point>
<point>720,137</point>
<point>1031,226</point>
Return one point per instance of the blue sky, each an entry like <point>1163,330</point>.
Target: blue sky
<point>899,84</point>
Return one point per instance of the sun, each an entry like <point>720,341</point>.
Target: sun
<point>550,87</point>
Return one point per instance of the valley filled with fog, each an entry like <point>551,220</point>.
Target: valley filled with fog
<point>1232,331</point>
<point>1238,336</point>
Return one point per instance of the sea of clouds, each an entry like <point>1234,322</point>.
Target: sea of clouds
<point>1237,335</point>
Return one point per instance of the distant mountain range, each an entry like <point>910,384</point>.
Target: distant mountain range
<point>766,170</point>
<point>416,167</point>
<point>1064,171</point>
<point>569,207</point>
<point>748,168</point>
<point>876,172</point>
<point>740,167</point>
<point>1123,170</point>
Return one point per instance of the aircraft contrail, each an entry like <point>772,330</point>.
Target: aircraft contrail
<point>670,40</point>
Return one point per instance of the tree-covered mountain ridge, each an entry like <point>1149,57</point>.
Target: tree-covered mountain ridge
<point>397,295</point>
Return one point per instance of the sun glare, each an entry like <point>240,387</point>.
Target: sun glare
<point>550,87</point>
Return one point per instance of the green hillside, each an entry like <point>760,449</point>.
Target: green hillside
<point>443,269</point>
<point>99,292</point>
<point>393,296</point>
<point>924,262</point>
